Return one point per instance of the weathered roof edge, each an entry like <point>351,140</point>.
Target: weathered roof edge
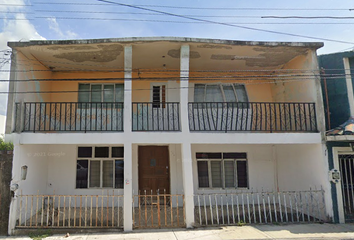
<point>128,40</point>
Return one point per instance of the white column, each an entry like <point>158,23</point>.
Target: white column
<point>184,83</point>
<point>186,146</point>
<point>348,79</point>
<point>128,187</point>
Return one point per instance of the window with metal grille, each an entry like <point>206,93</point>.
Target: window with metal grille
<point>222,170</point>
<point>100,167</point>
<point>159,96</point>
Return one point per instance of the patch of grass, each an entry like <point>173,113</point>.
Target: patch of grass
<point>40,234</point>
<point>241,223</point>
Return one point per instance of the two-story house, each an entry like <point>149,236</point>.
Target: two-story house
<point>166,132</point>
<point>337,87</point>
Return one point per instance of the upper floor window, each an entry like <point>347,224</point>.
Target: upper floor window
<point>92,92</point>
<point>159,96</point>
<point>220,93</point>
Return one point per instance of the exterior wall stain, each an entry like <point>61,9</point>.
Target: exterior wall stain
<point>106,54</point>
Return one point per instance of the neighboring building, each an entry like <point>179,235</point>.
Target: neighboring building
<point>160,132</point>
<point>2,124</point>
<point>337,87</point>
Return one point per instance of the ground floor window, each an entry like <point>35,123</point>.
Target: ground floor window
<point>222,170</point>
<point>100,167</point>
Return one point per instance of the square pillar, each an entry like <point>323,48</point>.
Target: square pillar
<point>184,83</point>
<point>186,146</point>
<point>187,170</point>
<point>128,187</point>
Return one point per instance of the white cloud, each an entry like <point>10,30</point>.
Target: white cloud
<point>16,27</point>
<point>53,25</point>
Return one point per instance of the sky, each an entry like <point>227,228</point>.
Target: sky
<point>326,20</point>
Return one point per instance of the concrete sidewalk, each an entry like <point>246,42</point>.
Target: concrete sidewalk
<point>296,231</point>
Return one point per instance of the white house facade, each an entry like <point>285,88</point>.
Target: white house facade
<point>166,132</point>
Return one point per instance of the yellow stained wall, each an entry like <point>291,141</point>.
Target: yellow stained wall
<point>74,85</point>
<point>31,69</point>
<point>296,89</point>
<point>258,90</point>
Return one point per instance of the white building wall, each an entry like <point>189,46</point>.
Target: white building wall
<point>300,167</point>
<point>31,156</point>
<point>52,168</point>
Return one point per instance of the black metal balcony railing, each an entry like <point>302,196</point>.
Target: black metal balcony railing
<point>253,116</point>
<point>70,116</point>
<point>156,116</point>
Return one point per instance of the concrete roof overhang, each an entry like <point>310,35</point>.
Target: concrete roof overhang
<point>162,52</point>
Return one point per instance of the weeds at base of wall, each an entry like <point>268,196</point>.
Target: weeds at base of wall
<point>40,234</point>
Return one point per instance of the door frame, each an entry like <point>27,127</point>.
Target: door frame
<point>336,152</point>
<point>169,162</point>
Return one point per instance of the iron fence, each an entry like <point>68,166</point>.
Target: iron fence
<point>70,211</point>
<point>260,207</point>
<point>158,210</point>
<point>70,116</point>
<point>252,116</point>
<point>161,116</point>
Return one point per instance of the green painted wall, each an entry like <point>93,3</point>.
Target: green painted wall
<point>336,87</point>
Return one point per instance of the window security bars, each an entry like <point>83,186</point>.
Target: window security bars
<point>252,116</point>
<point>70,211</point>
<point>260,207</point>
<point>163,116</point>
<point>71,116</point>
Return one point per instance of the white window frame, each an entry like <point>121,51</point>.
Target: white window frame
<point>102,90</point>
<point>93,158</point>
<point>235,160</point>
<point>222,89</point>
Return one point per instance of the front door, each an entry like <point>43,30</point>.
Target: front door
<point>346,165</point>
<point>154,169</point>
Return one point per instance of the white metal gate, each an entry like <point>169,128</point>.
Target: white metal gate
<point>346,166</point>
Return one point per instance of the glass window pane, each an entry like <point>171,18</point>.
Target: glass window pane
<point>84,92</point>
<point>101,152</point>
<point>156,94</point>
<point>156,99</point>
<point>235,155</point>
<point>242,179</point>
<point>81,173</point>
<point>119,177</point>
<point>107,174</point>
<point>96,93</point>
<point>199,92</point>
<point>205,155</point>
<point>108,93</point>
<point>95,173</point>
<point>85,152</point>
<point>241,93</point>
<point>229,93</point>
<point>213,94</point>
<point>203,176</point>
<point>119,92</point>
<point>229,174</point>
<point>117,152</point>
<point>216,173</point>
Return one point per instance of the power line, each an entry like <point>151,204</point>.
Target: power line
<point>307,17</point>
<point>205,8</point>
<point>225,24</point>
<point>179,22</point>
<point>147,89</point>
